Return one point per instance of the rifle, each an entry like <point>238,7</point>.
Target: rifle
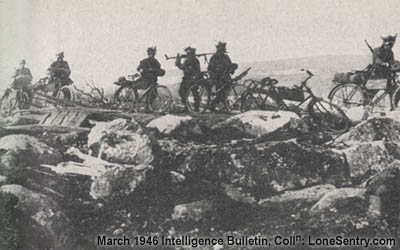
<point>241,75</point>
<point>197,55</point>
<point>184,56</point>
<point>369,46</point>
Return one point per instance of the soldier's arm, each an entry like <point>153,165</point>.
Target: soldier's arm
<point>178,62</point>
<point>391,56</point>
<point>197,66</point>
<point>140,66</point>
<point>68,70</point>
<point>378,56</point>
<point>29,73</point>
<point>16,73</point>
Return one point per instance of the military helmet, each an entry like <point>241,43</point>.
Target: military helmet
<point>190,50</point>
<point>389,39</point>
<point>61,54</point>
<point>221,45</point>
<point>152,49</point>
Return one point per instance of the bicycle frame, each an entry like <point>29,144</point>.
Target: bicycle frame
<point>141,98</point>
<point>303,87</point>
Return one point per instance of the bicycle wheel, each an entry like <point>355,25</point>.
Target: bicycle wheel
<point>233,101</point>
<point>348,95</point>
<point>197,98</point>
<point>23,100</point>
<point>7,104</point>
<point>396,99</point>
<point>159,99</point>
<point>328,115</point>
<point>125,98</point>
<point>249,83</point>
<point>258,100</point>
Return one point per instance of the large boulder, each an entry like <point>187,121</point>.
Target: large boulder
<point>168,123</point>
<point>120,181</point>
<point>261,170</point>
<point>46,225</point>
<point>92,179</point>
<point>121,141</point>
<point>307,195</point>
<point>374,129</point>
<point>18,152</point>
<point>383,191</point>
<point>338,197</point>
<point>367,158</point>
<point>254,123</point>
<point>395,115</point>
<point>194,211</point>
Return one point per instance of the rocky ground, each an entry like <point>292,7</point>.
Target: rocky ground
<point>258,174</point>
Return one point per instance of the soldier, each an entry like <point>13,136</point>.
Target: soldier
<point>150,69</point>
<point>22,76</point>
<point>220,69</point>
<point>59,70</point>
<point>191,73</point>
<point>383,57</point>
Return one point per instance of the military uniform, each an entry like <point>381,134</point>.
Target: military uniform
<point>191,72</point>
<point>382,55</point>
<point>220,69</point>
<point>150,69</point>
<point>60,70</point>
<point>23,78</point>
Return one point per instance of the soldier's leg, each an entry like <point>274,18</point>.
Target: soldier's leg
<point>182,91</point>
<point>221,90</point>
<point>196,96</point>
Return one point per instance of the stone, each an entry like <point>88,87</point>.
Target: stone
<point>259,170</point>
<point>333,198</point>
<point>374,129</point>
<point>47,218</point>
<point>121,141</point>
<point>168,123</point>
<point>118,181</point>
<point>255,123</point>
<point>383,191</point>
<point>18,152</point>
<point>306,195</point>
<point>194,211</point>
<point>367,158</point>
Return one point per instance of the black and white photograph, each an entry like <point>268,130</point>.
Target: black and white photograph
<point>199,124</point>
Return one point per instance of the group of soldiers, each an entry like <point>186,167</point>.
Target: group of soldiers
<point>59,72</point>
<point>220,68</point>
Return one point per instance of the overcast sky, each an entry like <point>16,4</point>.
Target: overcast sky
<point>105,39</point>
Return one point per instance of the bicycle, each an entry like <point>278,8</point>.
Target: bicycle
<point>352,91</point>
<point>264,95</point>
<point>157,98</point>
<point>200,97</point>
<point>9,103</point>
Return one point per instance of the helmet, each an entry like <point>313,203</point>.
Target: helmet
<point>221,46</point>
<point>61,54</point>
<point>152,50</point>
<point>190,50</point>
<point>389,39</point>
